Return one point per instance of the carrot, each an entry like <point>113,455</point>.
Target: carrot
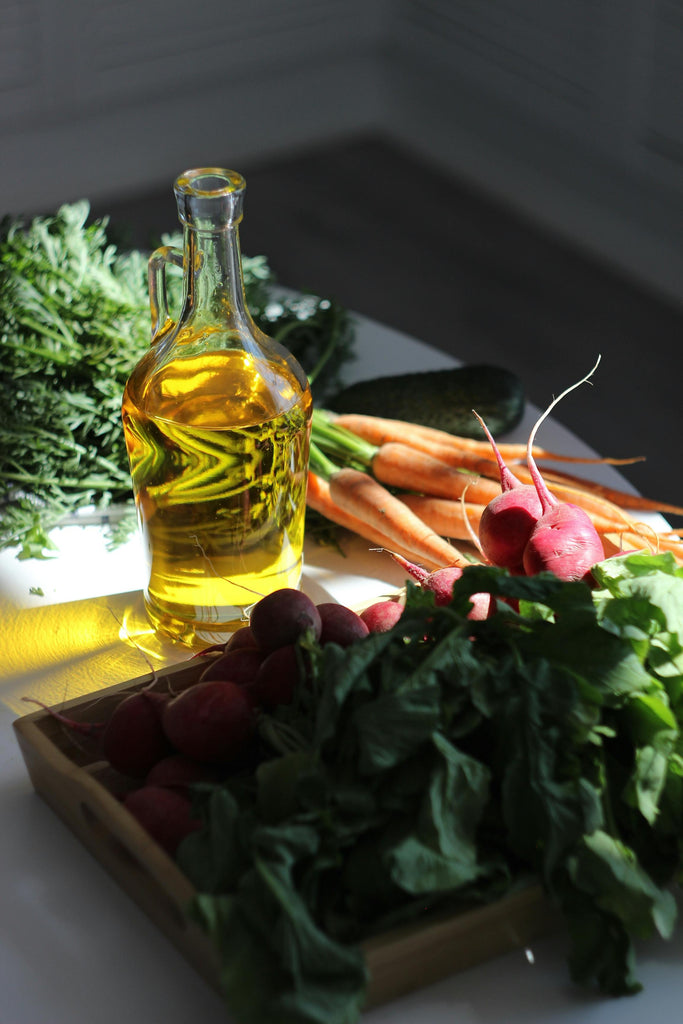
<point>379,430</point>
<point>641,538</point>
<point>430,442</point>
<point>597,506</point>
<point>318,497</point>
<point>398,465</point>
<point>435,473</point>
<point>624,499</point>
<point>362,496</point>
<point>454,457</point>
<point>447,518</point>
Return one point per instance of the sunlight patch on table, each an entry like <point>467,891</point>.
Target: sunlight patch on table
<point>59,652</point>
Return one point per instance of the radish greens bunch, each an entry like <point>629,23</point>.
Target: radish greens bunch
<point>445,761</point>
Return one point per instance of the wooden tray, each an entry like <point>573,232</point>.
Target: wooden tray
<point>85,792</point>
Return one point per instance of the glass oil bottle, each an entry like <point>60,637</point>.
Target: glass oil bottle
<point>216,419</point>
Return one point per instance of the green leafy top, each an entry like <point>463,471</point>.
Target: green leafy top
<point>74,321</point>
<point>446,762</point>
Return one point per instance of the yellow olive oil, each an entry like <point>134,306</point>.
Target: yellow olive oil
<point>218,449</point>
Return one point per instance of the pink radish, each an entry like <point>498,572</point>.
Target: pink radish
<point>564,540</point>
<point>441,581</point>
<point>508,519</point>
<point>382,616</point>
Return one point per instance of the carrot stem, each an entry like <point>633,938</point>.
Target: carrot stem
<point>338,441</point>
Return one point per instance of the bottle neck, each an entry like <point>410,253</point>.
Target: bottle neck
<point>214,287</point>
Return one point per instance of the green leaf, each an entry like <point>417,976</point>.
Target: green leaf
<point>609,871</point>
<point>650,774</point>
<point>277,963</point>
<point>442,853</point>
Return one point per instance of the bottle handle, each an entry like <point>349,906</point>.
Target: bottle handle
<point>158,294</point>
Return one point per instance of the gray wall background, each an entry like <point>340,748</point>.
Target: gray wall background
<point>567,110</point>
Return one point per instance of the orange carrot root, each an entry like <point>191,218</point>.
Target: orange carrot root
<point>362,496</point>
<point>319,498</point>
<point>447,518</point>
<point>398,465</point>
<point>379,430</point>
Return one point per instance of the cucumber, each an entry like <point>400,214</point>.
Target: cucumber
<point>440,398</point>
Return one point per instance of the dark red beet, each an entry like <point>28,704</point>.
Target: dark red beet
<point>163,813</point>
<point>239,665</point>
<point>282,617</point>
<point>242,637</point>
<point>340,625</point>
<point>382,616</point>
<point>133,739</point>
<point>212,721</point>
<point>277,678</point>
<point>177,771</point>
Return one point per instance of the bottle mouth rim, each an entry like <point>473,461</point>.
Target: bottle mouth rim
<point>209,182</point>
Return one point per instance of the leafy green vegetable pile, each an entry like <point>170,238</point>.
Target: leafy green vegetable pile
<point>74,320</point>
<point>449,761</point>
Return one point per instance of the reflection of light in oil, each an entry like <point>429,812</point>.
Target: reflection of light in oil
<point>57,652</point>
<point>135,629</point>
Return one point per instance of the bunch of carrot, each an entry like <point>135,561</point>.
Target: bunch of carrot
<point>420,492</point>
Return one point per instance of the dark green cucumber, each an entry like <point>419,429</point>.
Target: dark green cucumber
<point>440,398</point>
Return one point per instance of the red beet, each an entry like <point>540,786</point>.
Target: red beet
<point>238,665</point>
<point>242,637</point>
<point>163,813</point>
<point>340,625</point>
<point>277,678</point>
<point>212,721</point>
<point>133,739</point>
<point>177,771</point>
<point>282,617</point>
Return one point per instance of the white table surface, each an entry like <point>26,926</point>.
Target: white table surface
<point>73,947</point>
